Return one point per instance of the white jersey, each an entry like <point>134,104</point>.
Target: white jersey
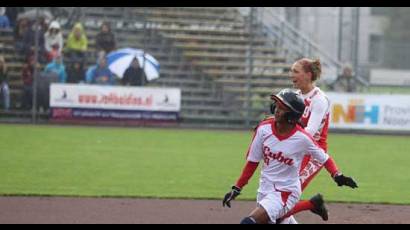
<point>315,119</point>
<point>282,156</point>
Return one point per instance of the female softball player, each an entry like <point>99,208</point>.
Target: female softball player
<point>282,144</point>
<point>315,120</point>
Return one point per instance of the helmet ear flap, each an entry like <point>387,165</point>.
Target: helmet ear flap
<point>273,107</point>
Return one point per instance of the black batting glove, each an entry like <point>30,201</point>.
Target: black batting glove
<point>341,180</point>
<point>231,196</point>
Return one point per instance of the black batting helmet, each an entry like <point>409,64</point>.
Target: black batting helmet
<point>291,100</point>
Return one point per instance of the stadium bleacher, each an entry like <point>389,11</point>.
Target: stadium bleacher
<point>203,51</point>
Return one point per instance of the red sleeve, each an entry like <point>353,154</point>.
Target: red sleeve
<point>247,173</point>
<point>331,166</point>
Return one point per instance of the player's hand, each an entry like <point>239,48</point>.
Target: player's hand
<point>231,196</point>
<point>341,180</point>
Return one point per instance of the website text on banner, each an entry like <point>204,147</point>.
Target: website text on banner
<point>370,112</point>
<point>71,101</point>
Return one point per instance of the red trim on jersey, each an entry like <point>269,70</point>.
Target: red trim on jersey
<point>249,148</point>
<point>284,195</point>
<point>247,173</point>
<point>331,166</point>
<point>323,135</point>
<point>310,178</point>
<point>322,142</point>
<point>280,137</point>
<point>264,122</point>
<point>305,161</point>
<point>314,93</point>
<point>299,128</point>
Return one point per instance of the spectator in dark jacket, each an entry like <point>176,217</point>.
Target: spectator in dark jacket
<point>75,72</point>
<point>12,13</point>
<point>105,39</point>
<point>20,30</point>
<point>29,40</point>
<point>346,81</point>
<point>134,75</point>
<point>27,76</point>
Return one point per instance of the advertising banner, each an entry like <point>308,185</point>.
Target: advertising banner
<point>113,102</point>
<point>370,112</point>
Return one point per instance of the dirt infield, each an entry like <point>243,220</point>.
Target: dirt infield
<point>24,210</point>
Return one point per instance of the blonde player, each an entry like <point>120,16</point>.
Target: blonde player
<point>282,144</point>
<point>304,73</point>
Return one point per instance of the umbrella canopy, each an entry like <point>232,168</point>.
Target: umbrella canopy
<point>32,14</point>
<point>120,60</point>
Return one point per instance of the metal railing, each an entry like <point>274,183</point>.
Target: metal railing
<point>294,44</point>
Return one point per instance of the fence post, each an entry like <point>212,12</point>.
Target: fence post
<point>35,73</point>
<point>250,68</point>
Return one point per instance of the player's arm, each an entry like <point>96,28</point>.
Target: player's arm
<point>318,113</point>
<point>254,155</point>
<point>247,173</point>
<point>330,165</point>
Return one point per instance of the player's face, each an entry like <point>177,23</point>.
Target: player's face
<point>299,77</point>
<point>280,112</point>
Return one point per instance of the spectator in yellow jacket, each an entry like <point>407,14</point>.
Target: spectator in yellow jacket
<point>77,43</point>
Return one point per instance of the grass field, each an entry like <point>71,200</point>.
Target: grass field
<point>169,163</point>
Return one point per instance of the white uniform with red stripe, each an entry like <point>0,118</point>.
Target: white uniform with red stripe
<point>316,122</point>
<point>316,115</point>
<point>280,187</point>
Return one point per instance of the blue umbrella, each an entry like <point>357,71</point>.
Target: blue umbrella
<point>120,60</point>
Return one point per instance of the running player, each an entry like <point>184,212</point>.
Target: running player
<point>282,144</point>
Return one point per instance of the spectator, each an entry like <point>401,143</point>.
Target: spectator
<point>53,41</point>
<point>75,72</point>
<point>345,82</point>
<point>105,39</point>
<point>12,13</point>
<point>134,75</point>
<point>19,33</point>
<point>29,40</point>
<point>29,37</point>
<point>77,43</point>
<point>4,20</point>
<point>100,73</point>
<point>57,67</point>
<point>27,76</point>
<point>5,92</point>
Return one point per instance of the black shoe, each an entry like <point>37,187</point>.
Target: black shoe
<point>320,208</point>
